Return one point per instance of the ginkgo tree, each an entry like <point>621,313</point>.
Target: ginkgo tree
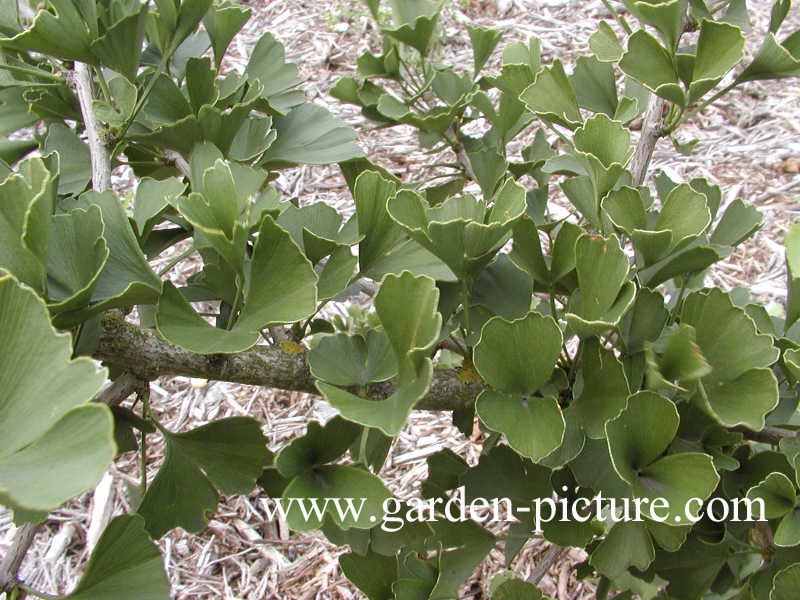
<point>583,342</point>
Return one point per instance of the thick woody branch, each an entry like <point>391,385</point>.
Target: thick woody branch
<point>142,353</point>
<point>98,150</point>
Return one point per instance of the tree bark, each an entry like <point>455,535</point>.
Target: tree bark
<point>144,354</point>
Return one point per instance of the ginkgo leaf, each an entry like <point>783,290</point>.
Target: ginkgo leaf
<point>125,564</point>
<point>223,457</point>
<point>53,445</point>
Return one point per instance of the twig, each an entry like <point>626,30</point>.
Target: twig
<point>180,163</point>
<point>551,557</point>
<point>768,435</point>
<point>98,151</point>
<point>452,139</point>
<point>652,130</point>
<point>119,389</point>
<point>12,561</point>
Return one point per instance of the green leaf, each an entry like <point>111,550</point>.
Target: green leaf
<point>121,105</point>
<point>320,445</point>
<point>484,41</point>
<point>519,53</point>
<point>641,433</point>
<point>777,493</point>
<point>552,97</point>
<point>463,232</point>
<point>222,21</point>
<point>268,66</point>
<point>628,544</point>
<point>61,33</point>
<point>572,444</point>
<point>282,282</point>
<point>53,445</point>
<point>595,85</point>
<point>181,325</point>
<point>417,33</point>
<point>315,228</point>
<point>649,63</point>
<point>340,482</point>
<point>720,47</point>
<point>626,210</point>
<point>780,10</point>
<point>605,44</point>
<point>74,166</point>
<point>603,389</point>
<point>503,289</point>
<point>309,135</point>
<point>372,573</point>
<point>388,415</point>
<point>792,243</point>
<point>791,359</point>
<point>76,255</point>
<point>604,292</point>
<point>635,440</point>
<point>489,167</point>
<point>466,544</point>
<point>774,60</point>
<point>787,533</point>
<point>281,288</point>
<point>533,426</point>
<point>407,307</point>
<point>125,564</point>
<point>594,469</point>
<point>384,246</point>
<point>353,360</point>
<point>337,273</point>
<point>190,13</point>
<point>223,457</point>
<point>27,201</point>
<point>153,197</point>
<point>740,389</point>
<point>200,82</point>
<point>14,114</point>
<point>604,147</point>
<point>515,589</point>
<point>518,357</point>
<point>739,222</point>
<point>664,15</point>
<point>126,277</point>
<point>120,47</point>
<point>526,252</point>
<point>681,360</point>
<point>785,583</point>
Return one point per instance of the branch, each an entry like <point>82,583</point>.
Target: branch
<point>119,389</point>
<point>145,355</point>
<point>180,163</point>
<point>98,151</point>
<point>549,558</point>
<point>768,435</point>
<point>461,154</point>
<point>652,130</point>
<point>12,561</point>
